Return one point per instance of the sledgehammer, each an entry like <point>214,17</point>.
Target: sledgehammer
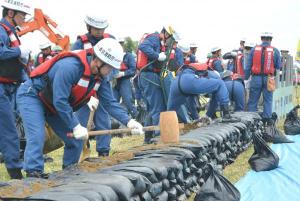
<point>168,127</point>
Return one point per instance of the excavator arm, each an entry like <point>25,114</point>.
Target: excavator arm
<point>44,24</point>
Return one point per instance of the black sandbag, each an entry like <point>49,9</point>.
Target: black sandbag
<point>217,188</point>
<point>80,194</point>
<point>124,191</point>
<point>263,158</point>
<point>146,196</point>
<point>135,198</point>
<point>273,134</point>
<point>155,189</point>
<point>56,197</point>
<point>162,197</point>
<point>172,192</point>
<point>145,171</point>
<point>292,122</point>
<point>140,182</point>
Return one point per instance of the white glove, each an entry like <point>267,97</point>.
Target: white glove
<point>137,128</point>
<point>93,103</point>
<point>80,132</point>
<point>120,74</point>
<point>162,56</point>
<point>25,54</point>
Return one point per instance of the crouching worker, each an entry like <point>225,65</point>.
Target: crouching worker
<point>56,89</point>
<point>236,88</point>
<point>193,79</point>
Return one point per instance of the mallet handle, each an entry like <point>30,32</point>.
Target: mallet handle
<point>121,130</point>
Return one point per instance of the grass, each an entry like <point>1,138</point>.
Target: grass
<point>117,144</point>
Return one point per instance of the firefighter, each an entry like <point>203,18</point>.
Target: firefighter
<point>58,88</point>
<point>45,54</point>
<point>192,55</point>
<point>151,53</point>
<point>123,86</point>
<point>235,86</point>
<point>11,75</point>
<point>215,63</point>
<point>96,32</point>
<point>263,61</point>
<point>193,79</point>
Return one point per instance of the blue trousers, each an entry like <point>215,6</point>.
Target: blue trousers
<point>9,140</point>
<point>258,85</point>
<point>192,85</point>
<point>236,94</point>
<point>123,89</point>
<point>101,121</point>
<point>191,105</point>
<point>33,115</point>
<point>152,92</point>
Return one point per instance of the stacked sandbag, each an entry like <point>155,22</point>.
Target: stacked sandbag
<point>167,173</point>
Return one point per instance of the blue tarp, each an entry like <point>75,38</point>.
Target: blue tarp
<point>280,184</point>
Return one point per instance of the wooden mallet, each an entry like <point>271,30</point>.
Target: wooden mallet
<point>168,127</point>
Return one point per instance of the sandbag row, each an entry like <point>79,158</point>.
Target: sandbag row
<point>166,174</point>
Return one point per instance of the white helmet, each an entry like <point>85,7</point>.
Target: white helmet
<point>214,49</point>
<point>97,22</point>
<point>121,40</point>
<point>243,39</point>
<point>249,44</point>
<point>183,46</point>
<point>45,45</point>
<point>266,34</point>
<point>17,5</point>
<point>109,51</point>
<point>193,45</point>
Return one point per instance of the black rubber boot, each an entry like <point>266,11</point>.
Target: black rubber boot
<point>226,117</point>
<point>103,154</point>
<point>36,174</point>
<point>15,173</point>
<point>149,135</point>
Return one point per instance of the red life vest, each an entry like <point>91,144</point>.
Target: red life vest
<point>210,62</point>
<point>123,67</point>
<point>239,65</point>
<point>198,66</point>
<point>187,60</point>
<point>11,69</point>
<point>142,58</point>
<point>79,92</point>
<point>268,63</point>
<point>41,59</point>
<point>87,45</point>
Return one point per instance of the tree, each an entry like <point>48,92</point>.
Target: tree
<point>130,45</point>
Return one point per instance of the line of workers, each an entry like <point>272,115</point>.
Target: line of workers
<point>62,88</point>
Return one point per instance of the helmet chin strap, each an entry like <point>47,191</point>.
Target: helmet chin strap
<point>13,19</point>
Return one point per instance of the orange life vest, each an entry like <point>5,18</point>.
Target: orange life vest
<point>210,62</point>
<point>239,65</point>
<point>79,92</point>
<point>87,45</point>
<point>42,59</point>
<point>142,58</point>
<point>11,69</point>
<point>268,63</point>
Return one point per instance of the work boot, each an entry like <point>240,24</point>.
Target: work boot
<point>15,173</point>
<point>103,154</point>
<point>149,135</point>
<point>226,117</point>
<point>37,174</point>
